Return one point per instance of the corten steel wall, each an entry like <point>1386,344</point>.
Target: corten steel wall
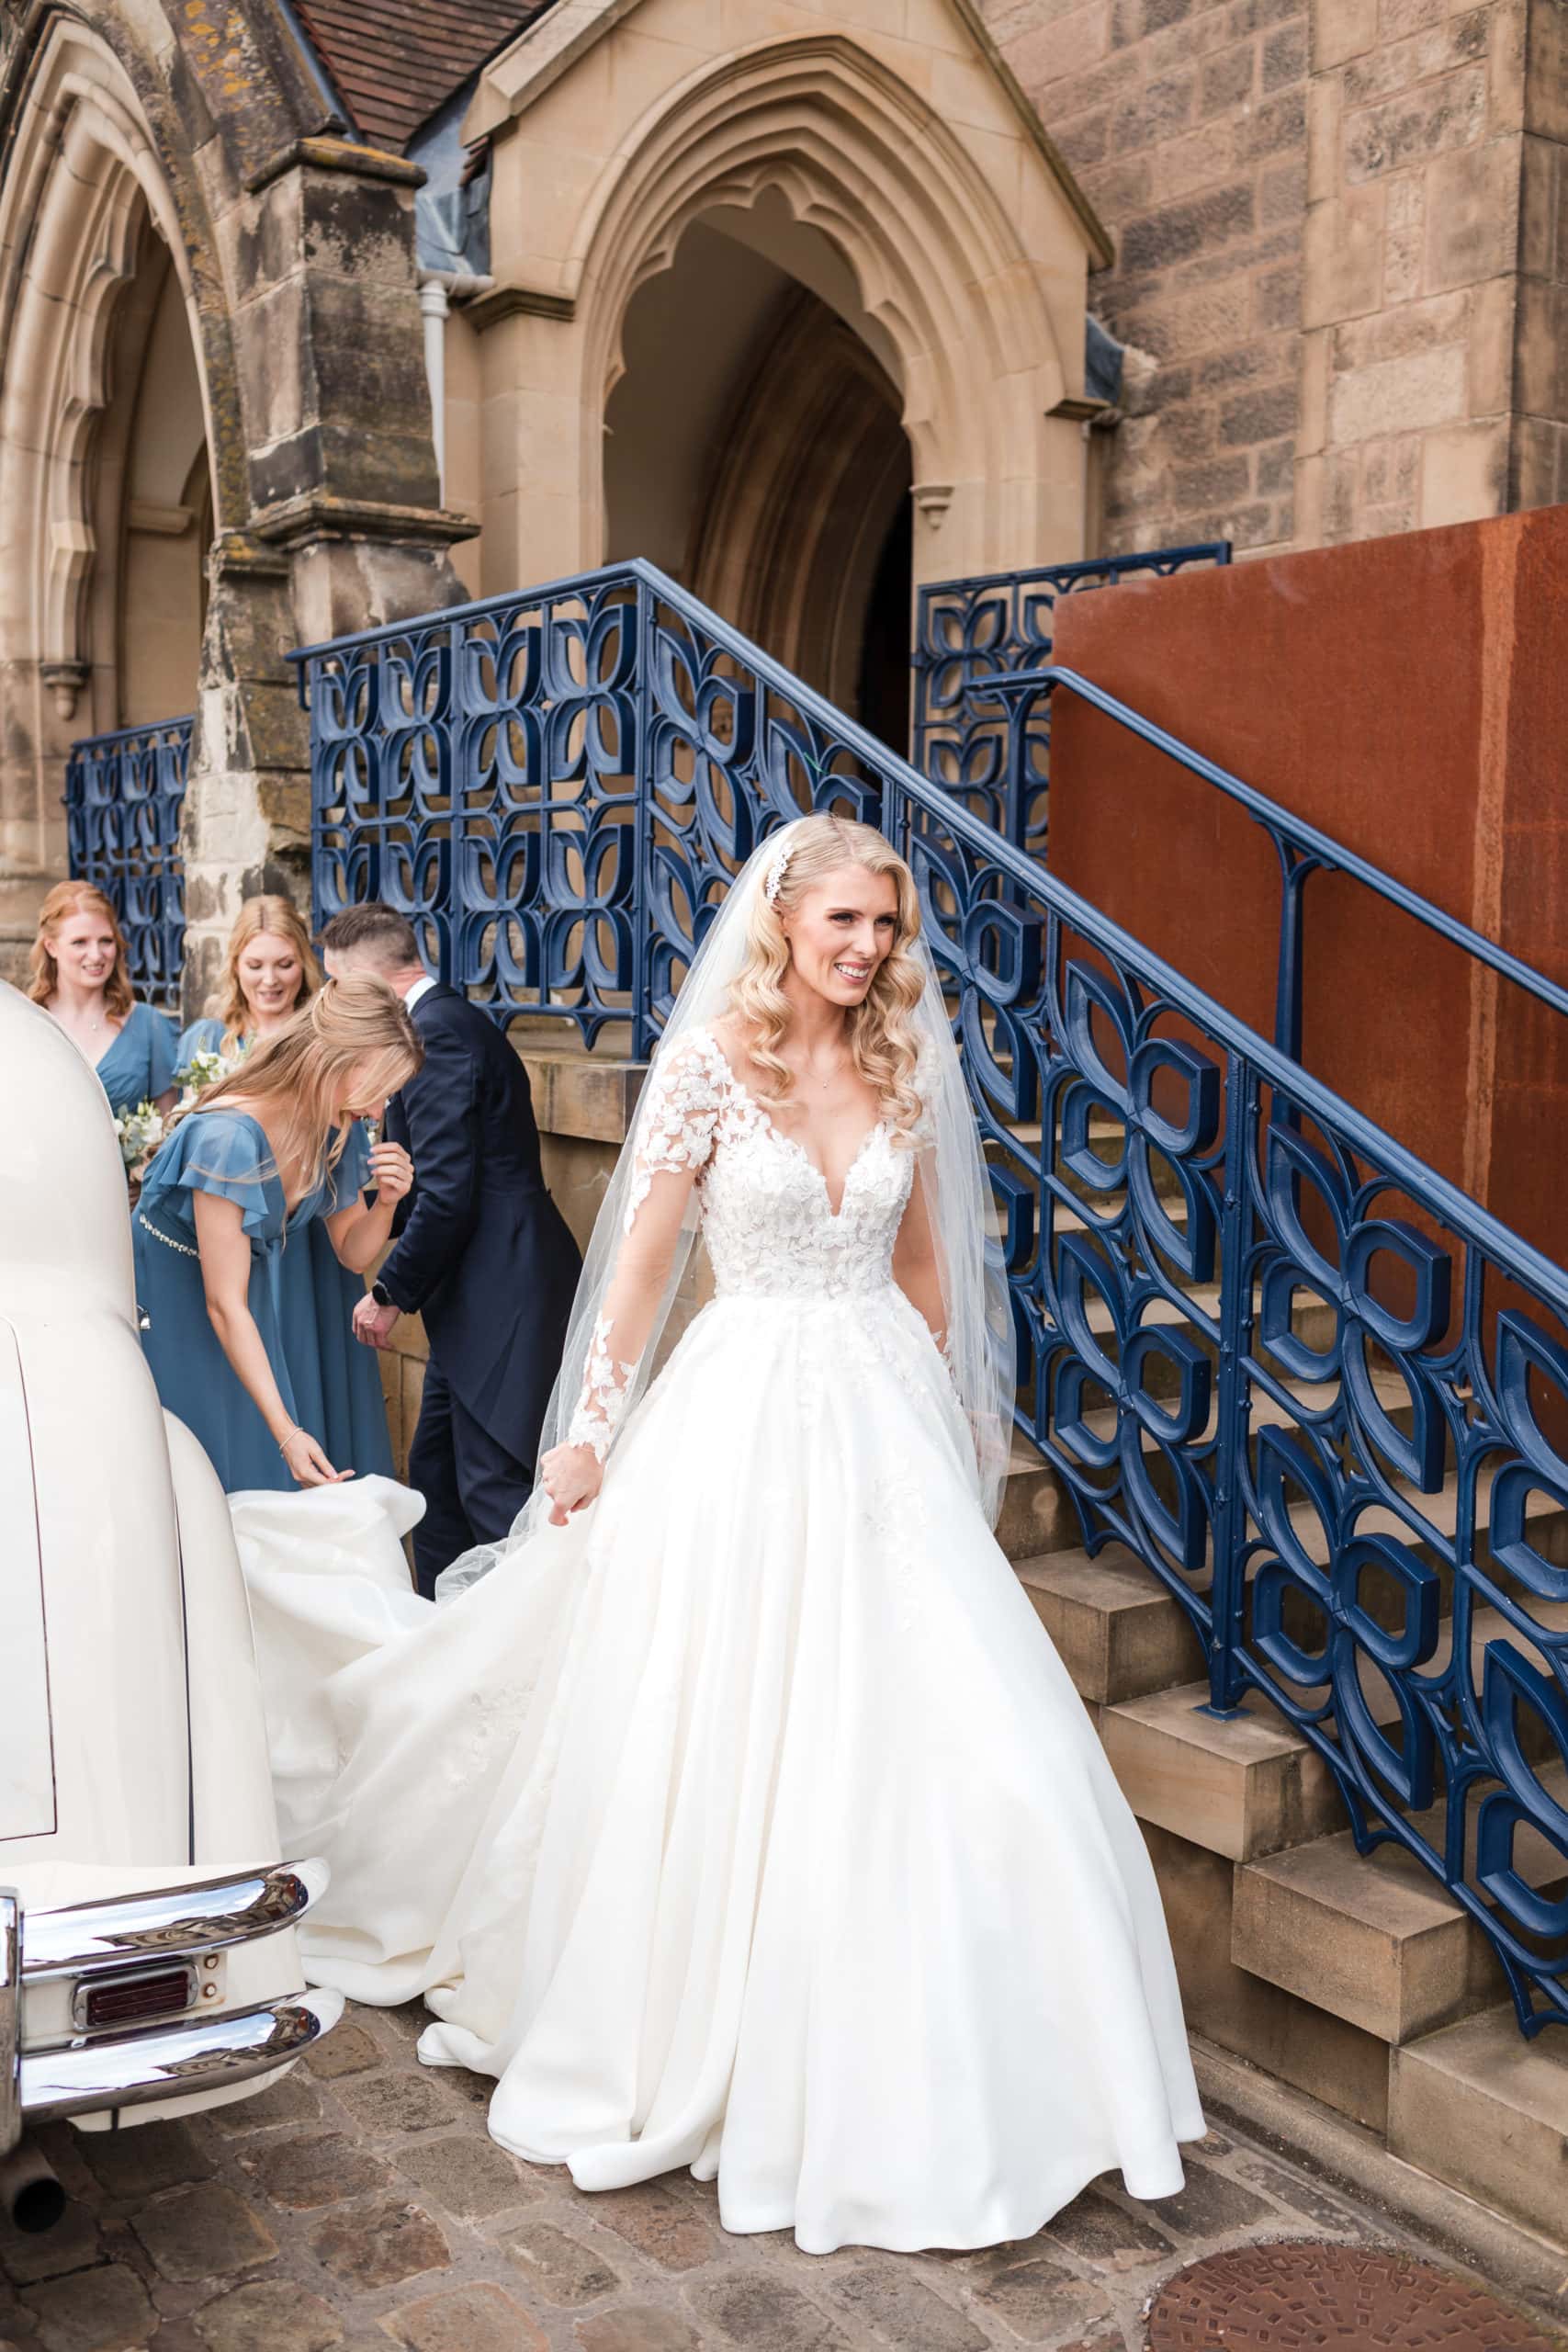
<point>1408,696</point>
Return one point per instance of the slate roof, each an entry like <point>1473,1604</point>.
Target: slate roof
<point>394,62</point>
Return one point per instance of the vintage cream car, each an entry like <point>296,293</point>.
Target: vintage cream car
<point>147,1956</point>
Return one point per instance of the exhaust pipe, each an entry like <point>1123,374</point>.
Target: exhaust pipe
<point>30,2193</point>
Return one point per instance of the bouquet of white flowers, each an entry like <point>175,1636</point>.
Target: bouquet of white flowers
<point>201,1070</point>
<point>140,1132</point>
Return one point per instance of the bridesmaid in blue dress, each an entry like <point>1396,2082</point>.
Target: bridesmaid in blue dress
<point>269,972</point>
<point>79,973</point>
<point>238,1184</point>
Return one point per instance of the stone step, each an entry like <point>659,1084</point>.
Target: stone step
<point>1478,2105</point>
<point>1121,1634</point>
<point>1223,1785</point>
<point>1374,1938</point>
<point>1239,1786</point>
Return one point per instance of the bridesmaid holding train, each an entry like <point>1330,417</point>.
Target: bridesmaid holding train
<point>270,973</point>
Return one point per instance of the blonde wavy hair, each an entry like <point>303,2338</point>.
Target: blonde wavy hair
<point>66,899</point>
<point>278,917</point>
<point>306,1068</point>
<point>882,1038</point>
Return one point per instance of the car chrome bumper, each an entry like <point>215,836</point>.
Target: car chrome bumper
<point>172,2062</point>
<point>95,1943</point>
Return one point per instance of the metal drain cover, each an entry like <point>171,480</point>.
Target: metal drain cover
<point>1296,2296</point>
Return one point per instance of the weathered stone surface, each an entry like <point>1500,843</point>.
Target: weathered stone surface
<point>1179,230</point>
<point>635,2327</point>
<point>311,2168</point>
<point>1033,2298</point>
<point>883,2296</point>
<point>471,2177</point>
<point>379,2244</point>
<point>203,2233</point>
<point>290,2101</point>
<point>269,2315</point>
<point>1108,2235</point>
<point>1210,2202</point>
<point>753,2308</point>
<point>465,2319</point>
<point>101,2310</point>
<point>139,2161</point>
<point>557,2266</point>
<point>347,2050</point>
<point>657,2222</point>
<point>1260,416</point>
<point>395,2102</point>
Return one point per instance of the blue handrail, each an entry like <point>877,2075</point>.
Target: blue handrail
<point>1345,1485</point>
<point>965,630</point>
<point>1303,849</point>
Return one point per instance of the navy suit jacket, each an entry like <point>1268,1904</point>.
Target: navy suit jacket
<point>482,1252</point>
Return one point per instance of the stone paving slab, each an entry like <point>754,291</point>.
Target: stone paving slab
<point>358,2206</point>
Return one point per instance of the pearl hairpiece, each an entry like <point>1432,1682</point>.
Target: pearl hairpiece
<point>773,884</point>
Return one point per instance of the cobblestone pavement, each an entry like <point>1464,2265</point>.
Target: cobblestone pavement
<point>359,2203</point>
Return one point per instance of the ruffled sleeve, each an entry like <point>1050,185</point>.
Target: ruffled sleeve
<point>202,1037</point>
<point>163,1050</point>
<point>217,1152</point>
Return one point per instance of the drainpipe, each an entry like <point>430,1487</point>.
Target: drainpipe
<point>438,290</point>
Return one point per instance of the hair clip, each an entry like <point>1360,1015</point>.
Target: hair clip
<point>774,883</point>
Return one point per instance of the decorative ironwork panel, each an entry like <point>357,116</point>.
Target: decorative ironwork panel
<point>1320,1395</point>
<point>990,750</point>
<point>477,770</point>
<point>123,797</point>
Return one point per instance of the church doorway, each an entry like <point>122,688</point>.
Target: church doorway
<point>755,450</point>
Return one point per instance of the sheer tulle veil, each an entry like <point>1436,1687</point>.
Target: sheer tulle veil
<point>949,1165</point>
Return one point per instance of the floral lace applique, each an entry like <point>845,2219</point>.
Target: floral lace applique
<point>677,1116</point>
<point>606,1385</point>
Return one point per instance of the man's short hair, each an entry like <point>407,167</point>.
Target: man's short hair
<point>387,936</point>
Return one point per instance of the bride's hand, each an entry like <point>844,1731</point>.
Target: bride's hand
<point>572,1476</point>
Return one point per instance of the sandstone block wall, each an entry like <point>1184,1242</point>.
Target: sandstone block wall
<point>1341,255</point>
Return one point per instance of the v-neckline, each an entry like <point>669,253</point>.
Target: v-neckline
<point>790,1144</point>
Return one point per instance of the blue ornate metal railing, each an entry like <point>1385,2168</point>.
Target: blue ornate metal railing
<point>1317,1391</point>
<point>1302,850</point>
<point>123,797</point>
<point>991,751</point>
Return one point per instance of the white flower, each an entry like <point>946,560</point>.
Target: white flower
<point>140,1132</point>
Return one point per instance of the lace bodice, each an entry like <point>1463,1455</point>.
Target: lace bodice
<point>766,1214</point>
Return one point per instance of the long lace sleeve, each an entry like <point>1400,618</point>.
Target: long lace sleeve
<point>675,1132</point>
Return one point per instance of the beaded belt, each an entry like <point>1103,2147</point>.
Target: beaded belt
<point>167,1238</point>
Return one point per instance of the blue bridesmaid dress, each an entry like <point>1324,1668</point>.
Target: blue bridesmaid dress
<point>319,1294</point>
<point>140,1062</point>
<point>203,1036</point>
<point>226,1152</point>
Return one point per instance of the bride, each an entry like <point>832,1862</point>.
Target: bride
<point>738,1811</point>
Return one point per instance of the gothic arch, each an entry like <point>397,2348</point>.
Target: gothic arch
<point>855,153</point>
<point>965,240</point>
<point>83,193</point>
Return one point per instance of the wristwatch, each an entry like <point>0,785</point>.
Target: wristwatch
<point>381,1294</point>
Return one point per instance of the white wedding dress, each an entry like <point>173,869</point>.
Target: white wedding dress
<point>750,1822</point>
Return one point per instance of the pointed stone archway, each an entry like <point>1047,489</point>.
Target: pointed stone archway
<point>960,248</point>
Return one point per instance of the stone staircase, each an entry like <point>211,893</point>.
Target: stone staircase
<point>1355,1979</point>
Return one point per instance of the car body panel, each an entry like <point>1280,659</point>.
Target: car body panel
<point>133,1753</point>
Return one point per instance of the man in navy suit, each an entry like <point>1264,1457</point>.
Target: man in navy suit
<point>481,1251</point>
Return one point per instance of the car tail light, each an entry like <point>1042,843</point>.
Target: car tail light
<point>106,2001</point>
